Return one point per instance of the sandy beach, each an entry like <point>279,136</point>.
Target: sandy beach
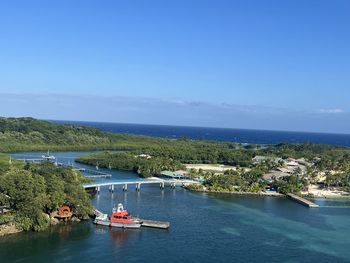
<point>210,167</point>
<point>315,190</point>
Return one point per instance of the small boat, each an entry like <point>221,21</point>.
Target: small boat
<point>119,218</point>
<point>48,157</point>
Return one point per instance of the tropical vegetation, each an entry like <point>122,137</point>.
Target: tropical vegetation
<point>30,192</point>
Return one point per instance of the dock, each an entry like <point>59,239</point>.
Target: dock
<point>155,224</point>
<point>145,222</point>
<point>302,200</point>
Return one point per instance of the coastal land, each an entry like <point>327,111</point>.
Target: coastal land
<point>30,194</point>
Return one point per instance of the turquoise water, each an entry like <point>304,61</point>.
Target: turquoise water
<point>204,228</point>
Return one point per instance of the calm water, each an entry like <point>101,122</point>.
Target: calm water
<point>204,228</point>
<point>236,135</point>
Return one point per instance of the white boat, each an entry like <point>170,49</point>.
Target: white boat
<point>48,157</point>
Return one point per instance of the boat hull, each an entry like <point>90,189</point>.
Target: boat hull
<point>102,222</point>
<point>116,224</point>
<point>126,225</point>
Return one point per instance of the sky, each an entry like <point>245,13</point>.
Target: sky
<point>277,65</point>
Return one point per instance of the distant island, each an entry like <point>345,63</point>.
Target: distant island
<point>30,193</point>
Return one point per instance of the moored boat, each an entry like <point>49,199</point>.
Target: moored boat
<point>48,157</point>
<point>119,218</point>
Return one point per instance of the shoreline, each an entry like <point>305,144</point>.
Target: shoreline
<point>334,197</point>
<point>274,194</point>
<point>9,229</point>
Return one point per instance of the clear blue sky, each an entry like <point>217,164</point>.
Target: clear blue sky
<point>260,64</point>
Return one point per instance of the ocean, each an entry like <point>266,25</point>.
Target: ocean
<point>219,134</point>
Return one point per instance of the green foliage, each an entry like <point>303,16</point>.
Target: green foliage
<point>23,134</point>
<point>40,189</point>
<point>326,153</point>
<point>236,181</point>
<point>6,218</point>
<point>290,184</point>
<point>28,134</point>
<point>128,161</point>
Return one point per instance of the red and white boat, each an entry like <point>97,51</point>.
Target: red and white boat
<point>119,218</point>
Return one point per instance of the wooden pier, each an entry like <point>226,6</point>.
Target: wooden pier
<point>155,224</point>
<point>302,200</point>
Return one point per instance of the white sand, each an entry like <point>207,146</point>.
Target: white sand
<point>315,190</point>
<point>210,167</point>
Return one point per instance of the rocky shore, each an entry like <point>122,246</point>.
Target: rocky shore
<point>10,228</point>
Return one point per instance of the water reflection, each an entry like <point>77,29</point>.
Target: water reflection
<point>120,237</point>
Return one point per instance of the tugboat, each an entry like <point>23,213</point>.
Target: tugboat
<point>48,157</point>
<point>120,218</point>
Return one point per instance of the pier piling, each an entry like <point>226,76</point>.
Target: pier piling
<point>138,187</point>
<point>125,187</point>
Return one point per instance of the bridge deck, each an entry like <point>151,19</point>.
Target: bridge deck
<point>138,181</point>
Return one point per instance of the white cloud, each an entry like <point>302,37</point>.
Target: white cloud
<point>330,111</point>
<point>171,112</point>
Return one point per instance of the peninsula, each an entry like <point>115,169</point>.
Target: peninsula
<point>30,193</point>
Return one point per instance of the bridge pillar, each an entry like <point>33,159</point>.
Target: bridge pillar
<point>98,189</point>
<point>112,188</point>
<point>161,185</point>
<point>125,187</point>
<point>138,187</point>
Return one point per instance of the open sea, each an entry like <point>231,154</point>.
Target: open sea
<point>220,134</point>
<point>203,227</point>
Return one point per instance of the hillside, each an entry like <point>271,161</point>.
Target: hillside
<point>28,134</point>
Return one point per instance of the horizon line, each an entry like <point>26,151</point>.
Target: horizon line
<point>205,127</point>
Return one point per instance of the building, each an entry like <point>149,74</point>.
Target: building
<point>174,175</point>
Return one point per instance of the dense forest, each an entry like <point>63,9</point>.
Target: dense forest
<point>32,191</point>
<point>128,161</point>
<point>28,134</point>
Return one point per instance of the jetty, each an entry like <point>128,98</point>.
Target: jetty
<point>302,200</point>
<point>155,224</point>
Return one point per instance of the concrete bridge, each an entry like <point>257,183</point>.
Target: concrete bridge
<point>137,183</point>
